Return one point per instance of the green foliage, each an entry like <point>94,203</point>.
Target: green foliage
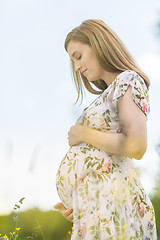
<point>37,225</point>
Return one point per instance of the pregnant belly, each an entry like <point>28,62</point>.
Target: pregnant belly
<point>79,161</point>
<point>85,161</point>
<point>67,173</point>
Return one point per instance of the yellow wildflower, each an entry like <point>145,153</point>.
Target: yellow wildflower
<point>17,229</point>
<point>73,228</point>
<point>124,226</point>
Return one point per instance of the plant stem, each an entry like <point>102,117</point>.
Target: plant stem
<point>41,230</point>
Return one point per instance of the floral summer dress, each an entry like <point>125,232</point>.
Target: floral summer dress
<point>108,200</point>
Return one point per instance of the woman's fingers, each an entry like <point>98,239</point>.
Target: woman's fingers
<point>70,217</point>
<point>59,206</point>
<point>67,212</point>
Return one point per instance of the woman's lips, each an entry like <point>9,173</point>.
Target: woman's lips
<point>84,72</point>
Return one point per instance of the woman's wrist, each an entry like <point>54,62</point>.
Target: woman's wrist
<point>109,142</point>
<point>88,135</point>
<point>83,133</point>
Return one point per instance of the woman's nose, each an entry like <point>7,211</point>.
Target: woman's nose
<point>77,66</point>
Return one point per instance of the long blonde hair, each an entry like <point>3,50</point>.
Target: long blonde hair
<point>109,50</point>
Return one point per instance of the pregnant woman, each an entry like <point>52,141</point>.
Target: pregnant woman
<point>96,181</point>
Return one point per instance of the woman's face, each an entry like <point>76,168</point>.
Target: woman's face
<point>85,60</point>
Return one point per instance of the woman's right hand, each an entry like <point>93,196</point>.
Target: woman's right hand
<point>66,213</point>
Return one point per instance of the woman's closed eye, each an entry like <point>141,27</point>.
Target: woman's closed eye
<point>79,57</point>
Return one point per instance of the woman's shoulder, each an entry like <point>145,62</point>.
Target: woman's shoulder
<point>129,75</point>
<point>139,89</point>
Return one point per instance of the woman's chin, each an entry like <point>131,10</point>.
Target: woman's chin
<point>91,79</point>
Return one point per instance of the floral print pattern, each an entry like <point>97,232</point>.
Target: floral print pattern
<point>103,189</point>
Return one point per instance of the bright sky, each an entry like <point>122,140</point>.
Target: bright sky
<point>37,93</point>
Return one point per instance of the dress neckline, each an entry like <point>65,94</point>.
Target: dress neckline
<point>111,84</point>
<point>106,90</point>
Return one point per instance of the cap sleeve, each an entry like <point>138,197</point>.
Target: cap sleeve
<point>139,90</point>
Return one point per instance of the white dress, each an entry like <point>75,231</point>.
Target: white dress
<point>104,190</point>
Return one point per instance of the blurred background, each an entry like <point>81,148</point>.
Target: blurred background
<point>37,99</point>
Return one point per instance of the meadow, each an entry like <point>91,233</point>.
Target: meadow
<point>50,225</point>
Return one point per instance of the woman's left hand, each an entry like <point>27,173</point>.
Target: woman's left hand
<point>66,213</point>
<point>75,134</point>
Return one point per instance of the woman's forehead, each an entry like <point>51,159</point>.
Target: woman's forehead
<point>75,46</point>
